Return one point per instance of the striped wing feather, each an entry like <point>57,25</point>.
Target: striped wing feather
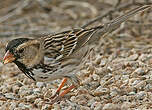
<point>66,43</point>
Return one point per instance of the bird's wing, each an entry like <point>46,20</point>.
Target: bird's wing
<point>66,43</point>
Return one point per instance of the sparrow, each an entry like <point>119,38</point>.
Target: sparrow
<point>59,55</point>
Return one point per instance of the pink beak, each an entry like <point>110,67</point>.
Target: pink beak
<point>8,58</point>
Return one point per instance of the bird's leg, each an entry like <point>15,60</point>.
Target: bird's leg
<point>61,85</point>
<point>59,88</point>
<point>62,94</point>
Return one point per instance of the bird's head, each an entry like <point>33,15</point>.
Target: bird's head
<point>23,50</point>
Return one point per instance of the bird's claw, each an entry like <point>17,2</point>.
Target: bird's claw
<point>55,95</point>
<point>55,99</point>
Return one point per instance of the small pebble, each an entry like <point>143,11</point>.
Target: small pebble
<point>133,57</point>
<point>98,60</point>
<point>15,88</point>
<point>90,102</point>
<point>149,81</point>
<point>114,92</point>
<point>13,105</point>
<point>39,102</point>
<point>93,84</point>
<point>84,108</point>
<point>1,102</point>
<point>132,93</point>
<point>125,106</point>
<point>23,106</point>
<point>95,104</point>
<point>140,85</point>
<point>139,71</point>
<point>24,91</point>
<point>103,62</point>
<point>141,95</point>
<point>98,107</point>
<point>45,107</point>
<point>36,90</point>
<point>31,98</point>
<point>135,82</point>
<point>148,87</point>
<point>100,91</point>
<point>111,106</point>
<point>40,84</point>
<point>96,77</point>
<point>10,95</point>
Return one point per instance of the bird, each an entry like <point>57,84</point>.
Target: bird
<point>60,55</point>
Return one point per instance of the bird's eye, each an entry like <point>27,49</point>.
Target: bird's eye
<point>21,50</point>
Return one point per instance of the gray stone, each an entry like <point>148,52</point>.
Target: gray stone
<point>141,95</point>
<point>40,84</point>
<point>111,106</point>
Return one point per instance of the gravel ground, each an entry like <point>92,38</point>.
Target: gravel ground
<point>116,76</point>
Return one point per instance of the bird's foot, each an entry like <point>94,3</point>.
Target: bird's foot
<point>56,97</point>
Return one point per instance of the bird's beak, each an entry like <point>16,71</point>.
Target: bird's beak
<point>8,58</point>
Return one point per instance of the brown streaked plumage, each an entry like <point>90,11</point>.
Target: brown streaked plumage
<point>60,55</point>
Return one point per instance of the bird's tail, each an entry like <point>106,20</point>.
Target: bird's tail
<point>115,23</point>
